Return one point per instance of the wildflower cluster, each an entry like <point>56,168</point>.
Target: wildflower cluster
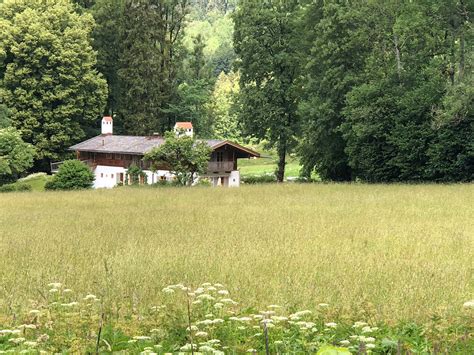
<point>207,320</point>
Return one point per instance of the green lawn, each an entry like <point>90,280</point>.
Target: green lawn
<point>36,181</point>
<point>267,166</point>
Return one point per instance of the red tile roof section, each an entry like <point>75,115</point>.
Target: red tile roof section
<point>107,119</point>
<point>185,125</point>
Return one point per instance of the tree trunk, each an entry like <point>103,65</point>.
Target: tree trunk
<point>397,55</point>
<point>281,158</point>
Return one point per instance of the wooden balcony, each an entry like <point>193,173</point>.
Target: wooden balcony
<point>220,166</point>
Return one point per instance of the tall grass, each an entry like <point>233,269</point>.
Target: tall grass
<point>402,252</point>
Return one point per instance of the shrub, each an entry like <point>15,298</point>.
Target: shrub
<point>259,179</point>
<point>72,175</point>
<point>134,173</point>
<point>7,188</point>
<point>204,182</point>
<point>23,187</point>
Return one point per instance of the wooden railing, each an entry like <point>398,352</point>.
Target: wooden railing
<point>220,166</point>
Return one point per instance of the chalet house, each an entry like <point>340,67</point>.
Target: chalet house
<point>109,156</point>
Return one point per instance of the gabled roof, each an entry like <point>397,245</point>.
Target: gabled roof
<point>139,145</point>
<point>184,125</point>
<point>107,119</point>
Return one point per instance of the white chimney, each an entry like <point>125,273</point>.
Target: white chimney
<point>107,125</point>
<point>185,128</point>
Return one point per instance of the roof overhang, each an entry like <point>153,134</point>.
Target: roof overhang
<point>249,152</point>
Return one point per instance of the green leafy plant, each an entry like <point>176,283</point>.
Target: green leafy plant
<point>72,175</point>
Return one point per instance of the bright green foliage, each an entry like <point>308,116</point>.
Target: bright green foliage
<point>267,41</point>
<point>47,74</point>
<point>72,175</point>
<point>222,108</point>
<point>16,156</point>
<point>182,156</point>
<point>332,350</point>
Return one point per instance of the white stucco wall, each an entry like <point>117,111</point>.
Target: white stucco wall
<point>234,179</point>
<point>107,177</point>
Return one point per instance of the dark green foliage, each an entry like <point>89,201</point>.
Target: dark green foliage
<point>267,41</point>
<point>23,187</point>
<point>8,188</point>
<point>72,175</point>
<point>337,40</point>
<point>149,63</point>
<point>259,179</point>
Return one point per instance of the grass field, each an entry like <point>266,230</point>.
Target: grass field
<point>385,253</point>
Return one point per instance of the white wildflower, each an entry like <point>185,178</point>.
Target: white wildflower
<point>90,297</point>
<point>197,302</point>
<point>67,290</point>
<point>54,290</point>
<point>217,321</point>
<point>331,325</point>
<point>55,285</point>
<point>16,340</point>
<point>323,305</point>
<point>206,349</point>
<point>277,342</point>
<point>241,327</point>
<point>359,324</point>
<point>34,312</point>
<point>199,290</point>
<point>219,285</point>
<point>245,319</point>
<point>257,316</point>
<point>142,337</point>
<point>209,315</point>
<point>206,284</point>
<point>223,292</point>
<point>469,304</point>
<point>345,342</point>
<point>369,339</point>
<point>205,322</point>
<point>132,341</point>
<point>214,341</point>
<point>188,347</point>
<point>211,288</point>
<point>267,313</point>
<point>218,305</point>
<point>279,318</point>
<point>193,328</point>
<point>30,344</point>
<point>370,346</point>
<point>366,329</point>
<point>228,301</point>
<point>206,297</point>
<point>201,334</point>
<point>168,290</point>
<point>273,306</point>
<point>251,351</point>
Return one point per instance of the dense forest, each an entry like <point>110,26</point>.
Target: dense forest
<point>359,90</point>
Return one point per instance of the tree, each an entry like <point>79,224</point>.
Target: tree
<point>16,156</point>
<point>150,63</point>
<point>182,156</point>
<point>47,73</point>
<point>222,108</point>
<point>336,37</point>
<point>72,175</point>
<point>108,15</point>
<point>266,40</point>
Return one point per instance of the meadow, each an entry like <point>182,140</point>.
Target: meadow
<point>388,256</point>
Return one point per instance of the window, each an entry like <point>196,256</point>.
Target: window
<point>101,175</point>
<point>108,156</point>
<point>118,156</point>
<point>163,178</point>
<point>112,176</point>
